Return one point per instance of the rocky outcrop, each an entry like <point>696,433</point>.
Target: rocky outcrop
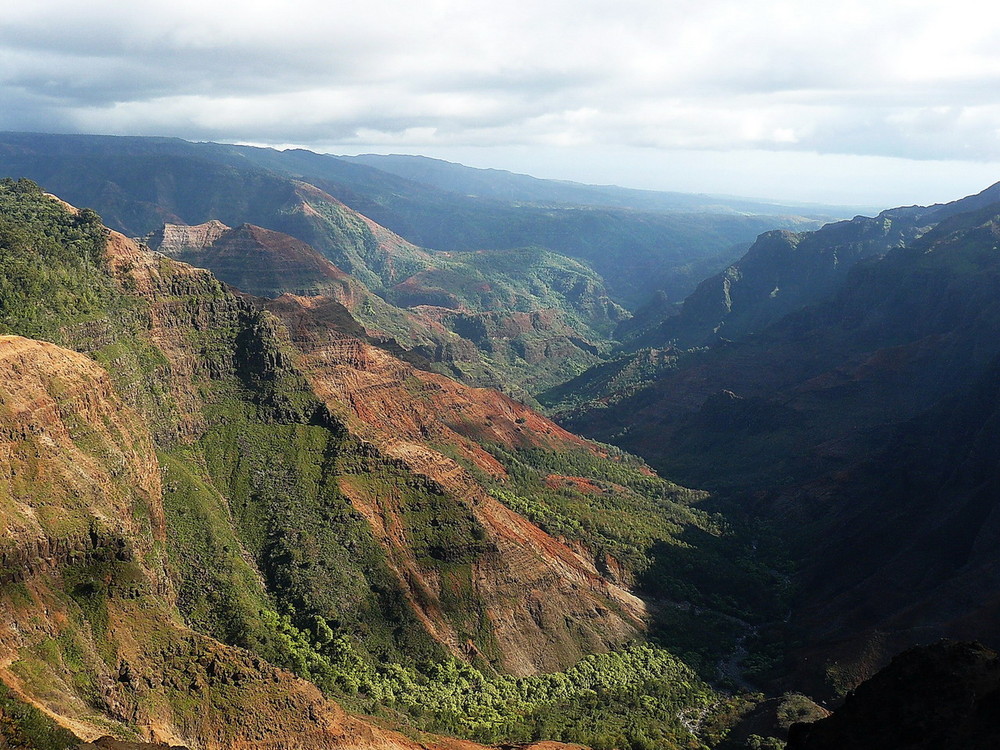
<point>186,312</point>
<point>258,261</point>
<point>265,263</point>
<point>176,239</point>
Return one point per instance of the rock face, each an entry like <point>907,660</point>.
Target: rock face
<point>175,239</point>
<point>940,697</point>
<point>83,528</point>
<point>76,470</point>
<point>256,260</point>
<point>405,412</point>
<point>402,411</point>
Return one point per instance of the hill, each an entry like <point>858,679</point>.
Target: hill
<point>274,475</point>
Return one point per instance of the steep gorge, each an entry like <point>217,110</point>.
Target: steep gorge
<point>859,430</point>
<point>287,488</point>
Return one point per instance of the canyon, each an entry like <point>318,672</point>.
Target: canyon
<point>274,474</point>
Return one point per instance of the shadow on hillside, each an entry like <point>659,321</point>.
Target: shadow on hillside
<point>709,596</point>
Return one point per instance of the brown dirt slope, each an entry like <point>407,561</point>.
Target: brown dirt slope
<point>547,603</point>
<point>256,260</point>
<point>82,543</point>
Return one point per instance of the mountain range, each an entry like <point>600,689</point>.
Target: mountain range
<point>273,477</point>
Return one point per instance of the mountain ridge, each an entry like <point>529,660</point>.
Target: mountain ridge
<point>139,185</point>
<point>846,399</point>
<point>784,271</point>
<point>507,185</point>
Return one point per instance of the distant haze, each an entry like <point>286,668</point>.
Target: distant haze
<point>852,102</point>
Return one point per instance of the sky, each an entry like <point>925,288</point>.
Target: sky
<point>882,102</point>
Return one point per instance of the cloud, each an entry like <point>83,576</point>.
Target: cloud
<point>904,78</point>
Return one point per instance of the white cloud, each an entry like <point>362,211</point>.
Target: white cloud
<point>897,78</point>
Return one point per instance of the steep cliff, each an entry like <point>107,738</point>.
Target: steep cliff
<point>433,426</point>
<point>84,543</point>
<point>256,260</point>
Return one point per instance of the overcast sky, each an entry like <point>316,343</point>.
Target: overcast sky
<point>884,101</point>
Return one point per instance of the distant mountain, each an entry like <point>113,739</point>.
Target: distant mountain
<point>255,260</point>
<point>506,300</point>
<point>512,187</point>
<point>140,183</point>
<point>785,271</point>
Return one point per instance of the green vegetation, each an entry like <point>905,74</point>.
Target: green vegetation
<point>633,698</point>
<point>524,280</point>
<point>536,318</point>
<point>606,383</point>
<point>218,592</point>
<point>618,510</point>
<point>328,581</point>
<point>336,599</point>
<point>795,707</point>
<point>52,273</point>
<point>705,581</point>
<point>756,742</point>
<point>24,727</point>
<point>316,552</point>
<point>56,286</point>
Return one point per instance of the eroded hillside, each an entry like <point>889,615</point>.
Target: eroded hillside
<point>84,541</point>
<point>291,496</point>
